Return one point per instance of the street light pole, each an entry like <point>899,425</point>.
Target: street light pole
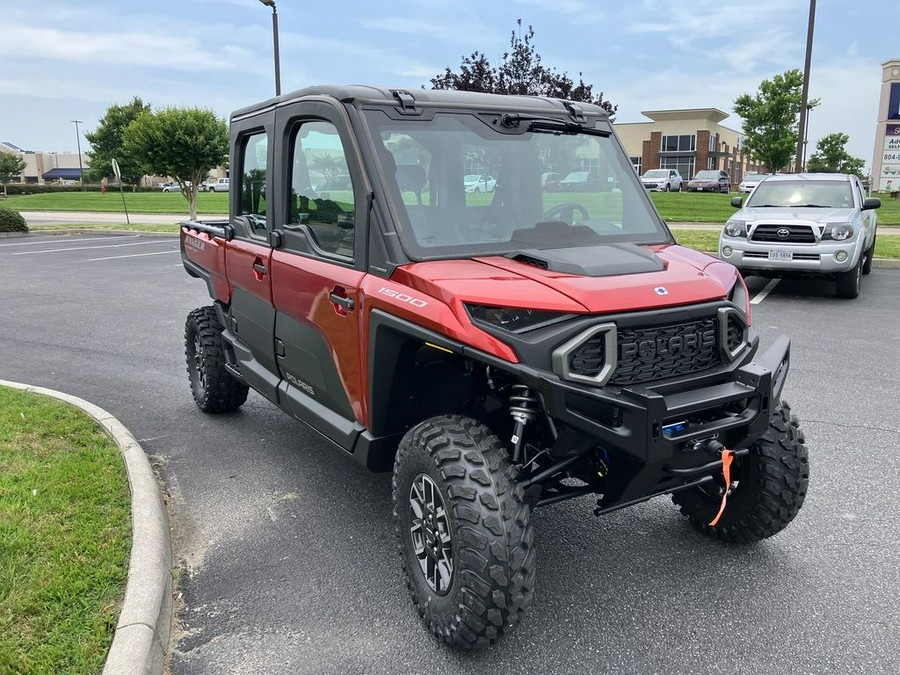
<point>78,141</point>
<point>804,105</point>
<point>806,134</point>
<point>271,3</point>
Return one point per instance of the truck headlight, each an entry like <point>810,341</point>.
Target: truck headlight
<point>513,319</point>
<point>838,232</point>
<point>736,228</point>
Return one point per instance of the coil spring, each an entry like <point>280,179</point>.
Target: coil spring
<point>523,404</point>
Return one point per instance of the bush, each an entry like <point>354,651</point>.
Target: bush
<point>16,189</point>
<point>11,220</point>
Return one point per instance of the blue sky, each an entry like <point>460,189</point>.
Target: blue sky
<point>66,60</point>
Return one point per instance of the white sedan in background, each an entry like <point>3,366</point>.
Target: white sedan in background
<point>479,183</point>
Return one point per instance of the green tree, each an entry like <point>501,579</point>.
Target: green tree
<point>771,118</point>
<point>184,143</point>
<point>520,72</point>
<point>107,144</point>
<point>831,156</point>
<point>11,166</point>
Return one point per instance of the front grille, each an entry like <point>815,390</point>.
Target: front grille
<point>796,234</point>
<point>657,353</point>
<point>735,333</point>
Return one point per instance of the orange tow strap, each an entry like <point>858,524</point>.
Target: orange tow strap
<point>727,456</point>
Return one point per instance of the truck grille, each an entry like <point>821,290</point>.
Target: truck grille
<point>796,234</point>
<point>657,353</point>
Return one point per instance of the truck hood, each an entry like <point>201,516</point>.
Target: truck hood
<point>665,276</point>
<point>796,215</point>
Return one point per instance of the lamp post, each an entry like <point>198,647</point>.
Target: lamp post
<point>805,101</point>
<point>271,3</point>
<point>78,141</point>
<point>806,134</point>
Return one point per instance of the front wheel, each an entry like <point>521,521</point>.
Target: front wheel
<point>464,531</point>
<point>771,486</point>
<point>848,283</point>
<point>215,390</point>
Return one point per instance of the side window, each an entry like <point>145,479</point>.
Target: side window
<point>253,181</point>
<point>321,197</point>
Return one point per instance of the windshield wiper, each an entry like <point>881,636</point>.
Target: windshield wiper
<point>552,124</point>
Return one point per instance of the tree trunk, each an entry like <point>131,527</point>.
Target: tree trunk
<point>192,201</point>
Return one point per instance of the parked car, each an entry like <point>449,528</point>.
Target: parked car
<point>172,187</point>
<point>580,181</point>
<point>710,181</point>
<point>750,181</point>
<point>479,183</point>
<point>814,224</point>
<point>663,180</point>
<point>550,181</point>
<point>216,185</point>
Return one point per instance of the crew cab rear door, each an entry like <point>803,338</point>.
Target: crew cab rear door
<point>318,268</point>
<point>248,257</point>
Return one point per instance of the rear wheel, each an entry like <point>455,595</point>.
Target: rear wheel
<point>464,531</point>
<point>214,389</point>
<point>771,486</point>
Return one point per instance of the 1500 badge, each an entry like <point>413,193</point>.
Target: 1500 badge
<point>402,297</point>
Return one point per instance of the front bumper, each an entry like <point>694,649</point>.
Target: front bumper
<point>813,259</point>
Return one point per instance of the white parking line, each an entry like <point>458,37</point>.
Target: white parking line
<point>135,255</point>
<point>759,297</point>
<point>86,248</point>
<point>63,240</point>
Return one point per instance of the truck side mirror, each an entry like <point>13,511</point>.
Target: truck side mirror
<point>871,203</point>
<point>737,202</point>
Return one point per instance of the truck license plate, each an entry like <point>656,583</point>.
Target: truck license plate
<point>781,255</point>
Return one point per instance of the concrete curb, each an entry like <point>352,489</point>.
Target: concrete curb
<point>142,632</point>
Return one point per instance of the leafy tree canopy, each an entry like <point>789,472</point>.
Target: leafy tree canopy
<point>520,71</point>
<point>831,156</point>
<point>106,143</point>
<point>11,166</point>
<point>771,117</point>
<point>184,143</point>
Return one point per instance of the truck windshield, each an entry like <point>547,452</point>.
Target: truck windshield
<point>461,187</point>
<point>834,194</point>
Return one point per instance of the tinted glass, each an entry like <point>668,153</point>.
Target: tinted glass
<point>253,181</point>
<point>321,198</point>
<point>802,193</point>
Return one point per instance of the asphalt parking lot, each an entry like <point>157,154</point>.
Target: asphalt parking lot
<point>288,547</point>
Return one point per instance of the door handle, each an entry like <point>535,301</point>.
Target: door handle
<point>259,268</point>
<point>343,301</point>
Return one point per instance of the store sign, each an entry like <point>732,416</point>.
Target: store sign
<point>890,178</point>
<point>894,102</point>
<point>892,130</point>
<point>892,143</point>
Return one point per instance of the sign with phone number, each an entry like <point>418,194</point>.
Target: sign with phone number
<point>890,157</point>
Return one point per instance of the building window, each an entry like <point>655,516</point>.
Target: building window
<point>637,163</point>
<point>684,164</point>
<point>711,163</point>
<point>683,143</point>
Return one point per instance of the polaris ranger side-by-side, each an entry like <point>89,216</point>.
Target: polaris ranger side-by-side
<point>497,350</point>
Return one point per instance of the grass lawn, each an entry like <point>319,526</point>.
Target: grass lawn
<point>111,202</point>
<point>65,536</point>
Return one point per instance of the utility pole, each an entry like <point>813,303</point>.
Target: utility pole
<point>78,141</point>
<point>801,130</point>
<point>271,3</point>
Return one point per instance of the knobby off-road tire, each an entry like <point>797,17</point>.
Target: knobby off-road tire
<point>477,520</point>
<point>772,482</point>
<point>213,387</point>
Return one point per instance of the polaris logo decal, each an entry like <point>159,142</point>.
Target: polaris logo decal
<point>661,290</point>
<point>667,346</point>
<point>402,297</point>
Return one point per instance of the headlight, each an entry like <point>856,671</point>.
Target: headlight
<point>513,319</point>
<point>736,228</point>
<point>838,232</point>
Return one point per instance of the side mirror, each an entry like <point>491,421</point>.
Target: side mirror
<point>871,203</point>
<point>737,202</point>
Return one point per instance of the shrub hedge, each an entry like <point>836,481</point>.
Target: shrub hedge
<point>27,189</point>
<point>11,220</point>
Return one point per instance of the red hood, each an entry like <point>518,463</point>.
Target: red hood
<point>688,278</point>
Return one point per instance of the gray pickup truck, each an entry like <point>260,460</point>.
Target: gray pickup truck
<point>811,224</point>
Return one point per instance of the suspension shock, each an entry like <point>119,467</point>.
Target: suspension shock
<point>523,408</point>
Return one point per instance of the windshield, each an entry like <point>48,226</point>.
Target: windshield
<point>707,174</point>
<point>431,161</point>
<point>795,193</point>
<point>657,173</point>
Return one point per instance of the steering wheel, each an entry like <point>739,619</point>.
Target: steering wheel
<point>566,212</point>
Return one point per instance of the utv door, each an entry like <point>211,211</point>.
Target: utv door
<point>248,257</point>
<point>317,271</point>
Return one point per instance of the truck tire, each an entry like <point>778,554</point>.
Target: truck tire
<point>848,283</point>
<point>772,483</point>
<point>870,255</point>
<point>464,531</point>
<point>214,389</point>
